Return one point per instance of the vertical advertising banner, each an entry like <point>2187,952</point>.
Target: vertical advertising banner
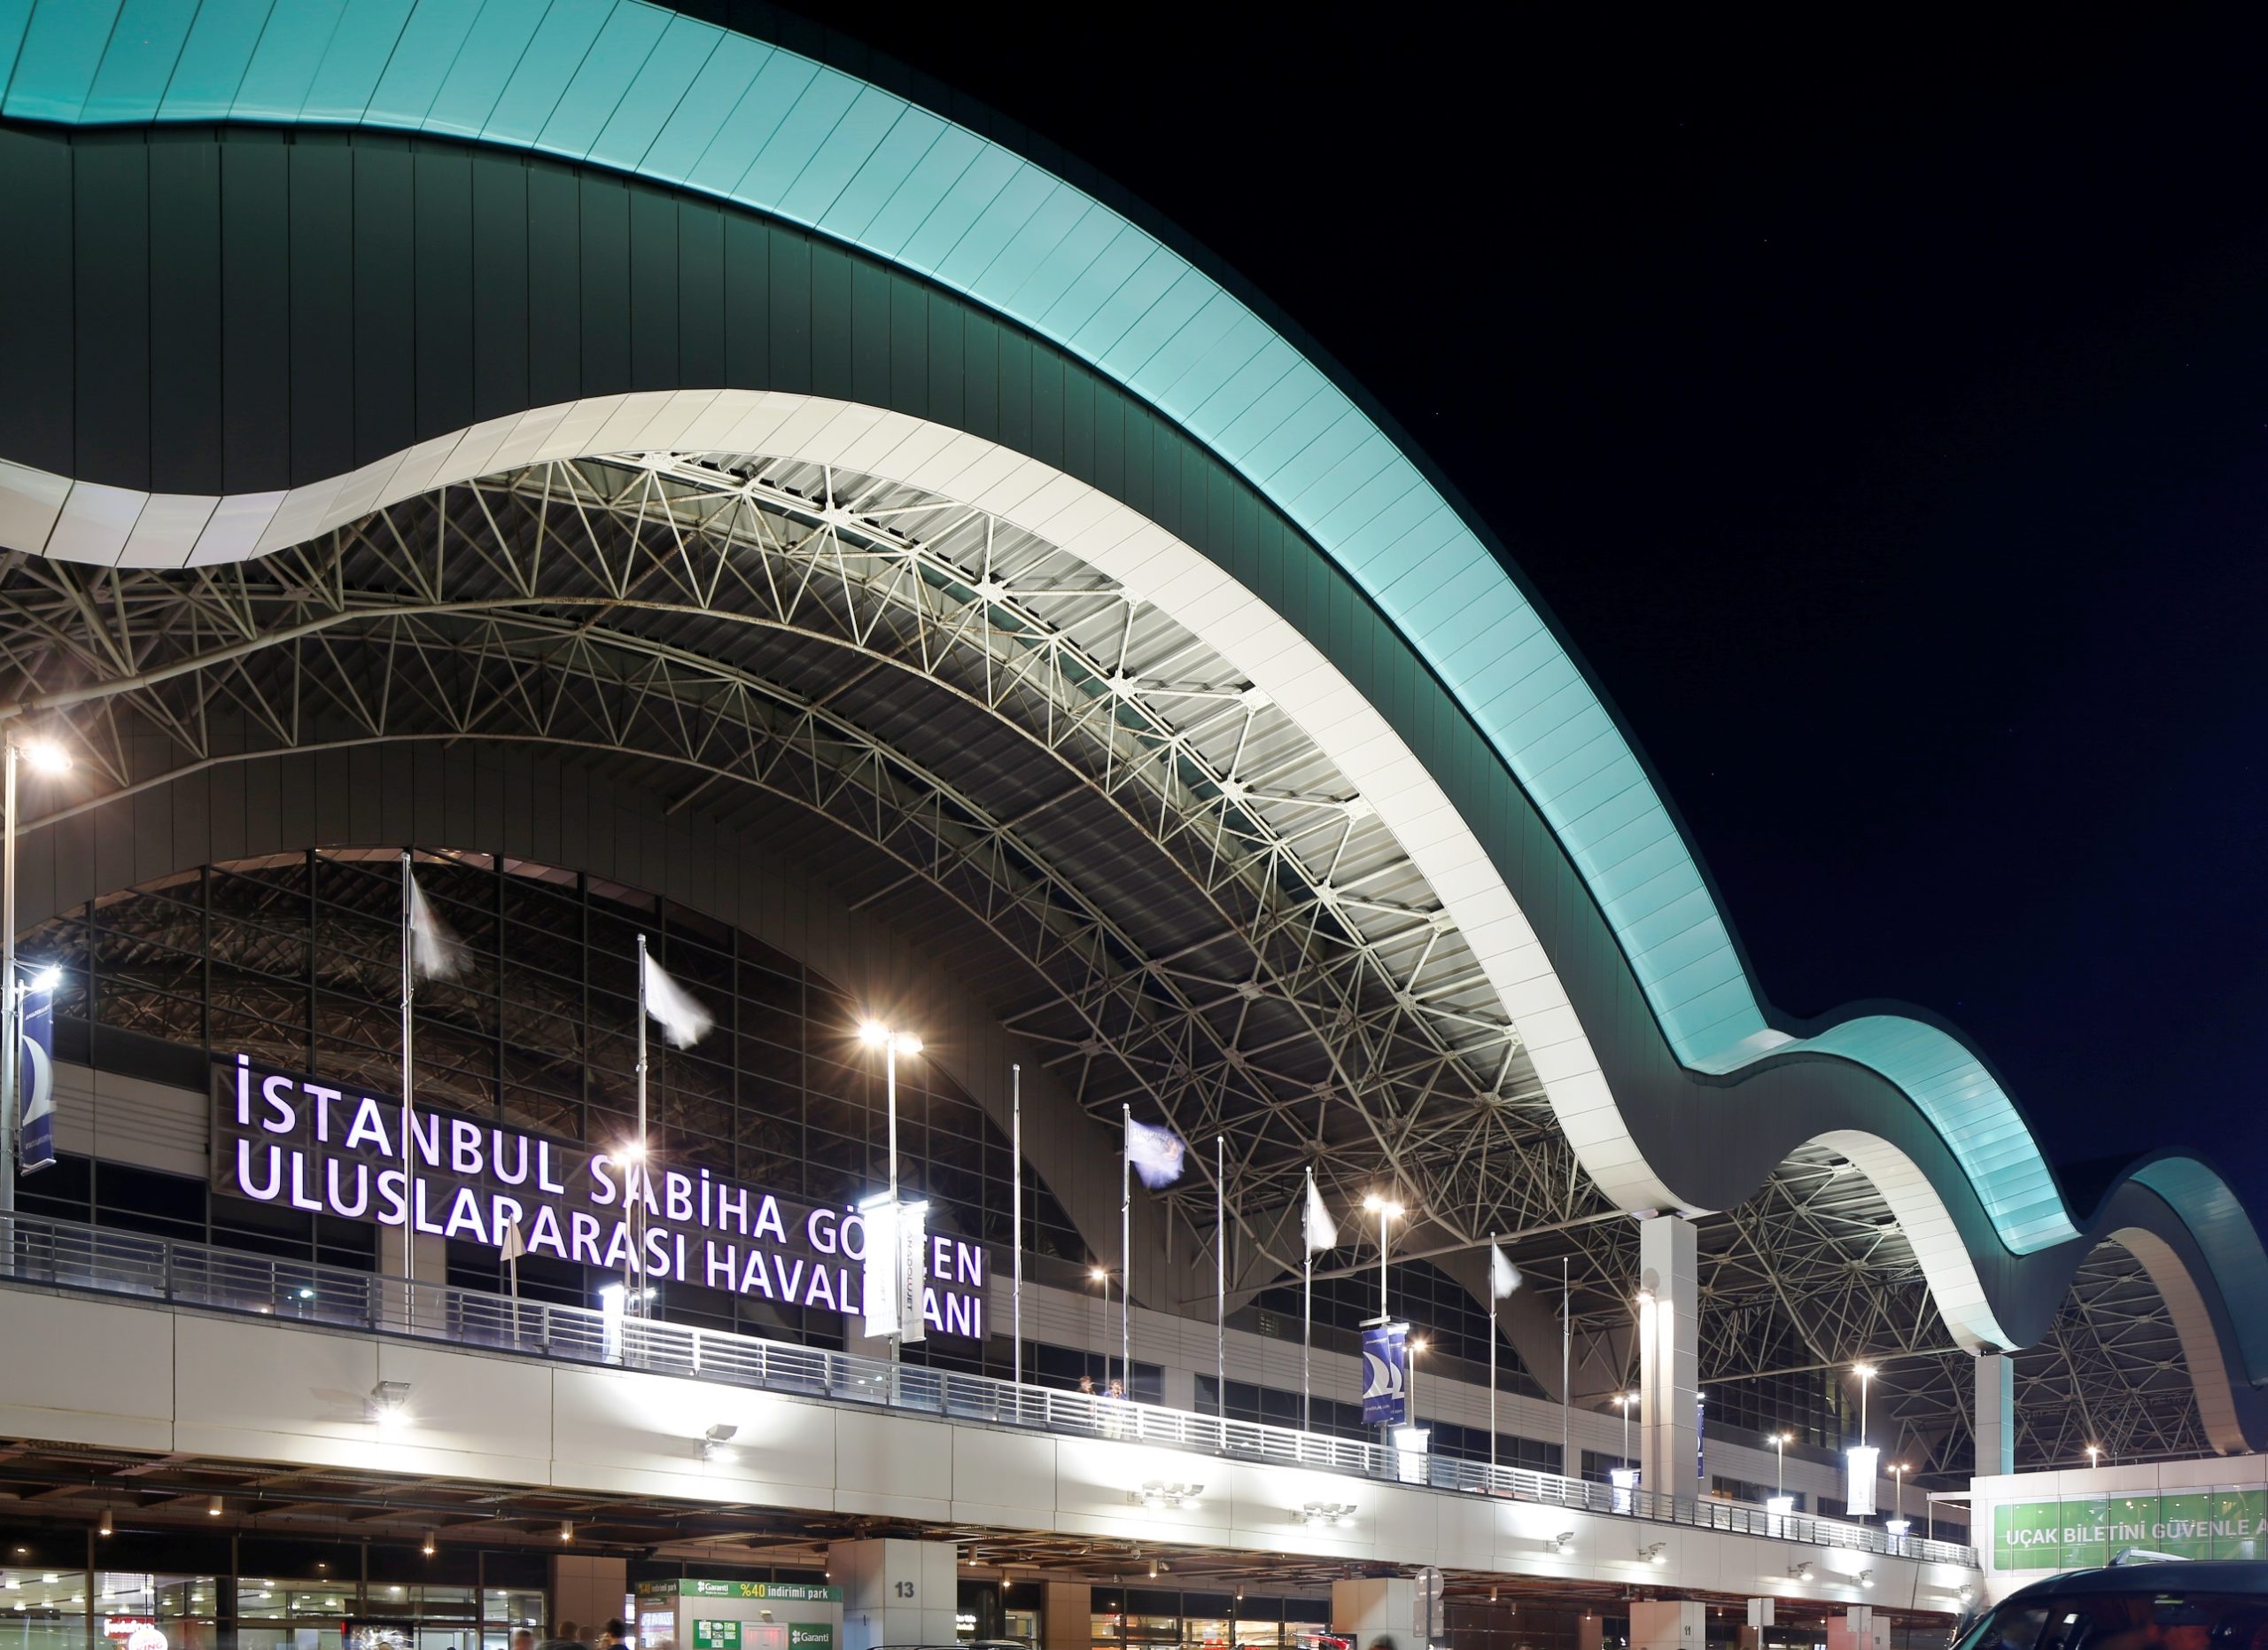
<point>1860,1463</point>
<point>36,1082</point>
<point>912,1238</point>
<point>1385,1374</point>
<point>878,1288</point>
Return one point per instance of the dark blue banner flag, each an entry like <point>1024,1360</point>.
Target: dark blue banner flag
<point>1385,1374</point>
<point>36,1081</point>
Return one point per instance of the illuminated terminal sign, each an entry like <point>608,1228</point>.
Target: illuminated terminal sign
<point>285,1139</point>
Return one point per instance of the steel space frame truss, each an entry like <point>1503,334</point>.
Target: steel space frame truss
<point>666,609</point>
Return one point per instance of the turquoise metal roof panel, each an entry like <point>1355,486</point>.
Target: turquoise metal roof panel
<point>616,59</point>
<point>781,79</point>
<point>835,157</point>
<point>211,69</point>
<point>360,49</point>
<point>284,59</point>
<point>431,41</point>
<point>654,93</point>
<point>937,175</point>
<point>484,65</point>
<point>779,134</point>
<point>877,182</point>
<point>545,68</point>
<point>56,64</point>
<point>725,75</point>
<point>145,45</point>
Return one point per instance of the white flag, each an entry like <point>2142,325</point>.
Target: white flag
<point>683,1021</point>
<point>1155,1153</point>
<point>1322,1230</point>
<point>434,952</point>
<point>512,1245</point>
<point>1503,1277</point>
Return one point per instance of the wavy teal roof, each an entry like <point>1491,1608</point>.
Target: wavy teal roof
<point>644,91</point>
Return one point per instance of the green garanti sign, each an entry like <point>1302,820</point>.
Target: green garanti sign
<point>2083,1532</point>
<point>811,1636</point>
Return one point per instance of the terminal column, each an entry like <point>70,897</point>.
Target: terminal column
<point>1066,1616</point>
<point>1996,1413</point>
<point>1367,1609</point>
<point>895,1593</point>
<point>1669,1361</point>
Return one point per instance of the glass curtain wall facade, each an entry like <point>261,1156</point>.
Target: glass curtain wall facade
<point>295,959</point>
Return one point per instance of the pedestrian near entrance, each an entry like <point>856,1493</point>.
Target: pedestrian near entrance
<point>523,1639</point>
<point>612,1636</point>
<point>563,1637</point>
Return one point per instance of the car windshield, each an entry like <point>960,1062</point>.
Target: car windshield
<point>2145,1619</point>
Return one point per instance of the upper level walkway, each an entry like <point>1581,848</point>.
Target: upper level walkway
<point>584,1407</point>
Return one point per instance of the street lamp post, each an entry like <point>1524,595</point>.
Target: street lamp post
<point>1386,1210</point>
<point>2095,1454</point>
<point>1779,1479</point>
<point>1623,1401</point>
<point>1865,1374</point>
<point>46,757</point>
<point>876,1035</point>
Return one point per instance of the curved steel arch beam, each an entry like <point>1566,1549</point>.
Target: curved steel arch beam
<point>1383,528</point>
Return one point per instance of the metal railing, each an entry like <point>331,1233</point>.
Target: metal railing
<point>69,1255</point>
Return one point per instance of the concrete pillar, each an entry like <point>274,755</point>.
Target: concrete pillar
<point>1996,1413</point>
<point>1669,1362</point>
<point>432,1267</point>
<point>1180,1389</point>
<point>1668,1624</point>
<point>1067,1611</point>
<point>1858,1630</point>
<point>1590,1631</point>
<point>586,1588</point>
<point>1371,1607</point>
<point>895,1593</point>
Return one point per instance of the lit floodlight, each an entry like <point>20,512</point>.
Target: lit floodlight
<point>1157,1493</point>
<point>388,1400</point>
<point>874,1033</point>
<point>1325,1514</point>
<point>1385,1206</point>
<point>1866,1578</point>
<point>47,979</point>
<point>1865,1371</point>
<point>46,756</point>
<point>717,1442</point>
<point>213,1508</point>
<point>1657,1553</point>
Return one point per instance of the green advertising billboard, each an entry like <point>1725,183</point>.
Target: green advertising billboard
<point>2085,1532</point>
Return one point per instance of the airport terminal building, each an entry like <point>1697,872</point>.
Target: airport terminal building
<point>682,488</point>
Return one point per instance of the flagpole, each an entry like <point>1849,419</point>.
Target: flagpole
<point>1307,1306</point>
<point>1221,1268</point>
<point>634,1215</point>
<point>1125,1250</point>
<point>1016,1225</point>
<point>408,1080</point>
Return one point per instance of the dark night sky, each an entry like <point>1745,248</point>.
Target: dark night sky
<point>1884,418</point>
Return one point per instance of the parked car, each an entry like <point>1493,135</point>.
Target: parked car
<point>2154,1606</point>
